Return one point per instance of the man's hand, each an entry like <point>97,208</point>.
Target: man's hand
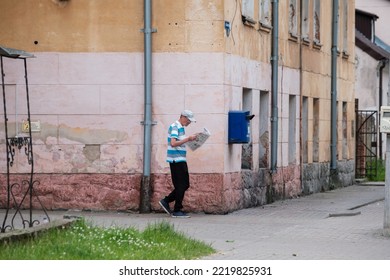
<point>192,137</point>
<point>175,142</point>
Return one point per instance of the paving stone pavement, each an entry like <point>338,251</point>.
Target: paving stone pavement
<point>342,224</point>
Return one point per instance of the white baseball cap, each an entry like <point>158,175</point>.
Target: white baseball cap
<point>189,115</point>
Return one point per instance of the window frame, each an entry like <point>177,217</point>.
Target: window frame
<point>345,28</point>
<point>293,18</point>
<point>317,23</point>
<point>265,13</point>
<point>248,11</point>
<point>305,21</point>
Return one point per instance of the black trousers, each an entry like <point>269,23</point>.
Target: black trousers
<point>181,182</point>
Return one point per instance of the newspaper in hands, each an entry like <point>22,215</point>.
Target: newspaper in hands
<point>200,139</point>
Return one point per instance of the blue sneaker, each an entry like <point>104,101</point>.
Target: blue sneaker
<point>165,206</point>
<point>179,214</point>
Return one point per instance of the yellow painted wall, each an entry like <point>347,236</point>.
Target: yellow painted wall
<point>79,26</point>
<point>110,26</point>
<point>115,26</point>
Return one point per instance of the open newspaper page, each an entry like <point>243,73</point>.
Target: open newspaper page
<point>200,139</point>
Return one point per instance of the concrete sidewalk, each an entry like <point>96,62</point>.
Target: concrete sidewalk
<point>343,224</point>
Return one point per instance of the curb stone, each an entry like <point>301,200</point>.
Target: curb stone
<point>20,234</point>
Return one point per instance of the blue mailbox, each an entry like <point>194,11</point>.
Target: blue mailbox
<point>239,126</point>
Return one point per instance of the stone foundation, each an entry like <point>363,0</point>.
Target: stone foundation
<point>79,191</point>
<point>208,193</point>
<point>317,177</point>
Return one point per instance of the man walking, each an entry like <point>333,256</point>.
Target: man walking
<point>176,157</point>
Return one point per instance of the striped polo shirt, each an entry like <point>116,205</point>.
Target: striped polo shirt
<point>177,154</point>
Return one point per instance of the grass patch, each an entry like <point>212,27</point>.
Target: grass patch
<point>81,241</point>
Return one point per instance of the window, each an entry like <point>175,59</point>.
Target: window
<point>339,28</point>
<point>292,129</point>
<point>344,128</point>
<point>265,13</point>
<point>305,20</point>
<point>317,22</point>
<point>247,148</point>
<point>316,129</point>
<point>305,125</point>
<point>263,130</point>
<point>248,11</point>
<point>293,18</point>
<point>345,27</point>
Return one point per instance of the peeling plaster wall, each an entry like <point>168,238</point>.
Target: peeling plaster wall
<point>367,81</point>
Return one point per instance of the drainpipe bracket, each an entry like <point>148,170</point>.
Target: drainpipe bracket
<point>148,30</point>
<point>148,122</point>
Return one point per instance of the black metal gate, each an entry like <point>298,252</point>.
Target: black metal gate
<point>366,143</point>
<point>20,187</point>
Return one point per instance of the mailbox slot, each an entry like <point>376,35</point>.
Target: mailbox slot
<point>239,126</point>
<point>385,119</point>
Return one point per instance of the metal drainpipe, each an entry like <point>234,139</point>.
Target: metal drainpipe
<point>274,89</point>
<point>333,109</point>
<point>145,190</point>
<point>301,101</point>
<point>381,66</point>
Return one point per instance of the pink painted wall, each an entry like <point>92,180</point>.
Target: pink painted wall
<point>89,152</point>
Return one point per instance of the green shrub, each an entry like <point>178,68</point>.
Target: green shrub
<point>376,170</point>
